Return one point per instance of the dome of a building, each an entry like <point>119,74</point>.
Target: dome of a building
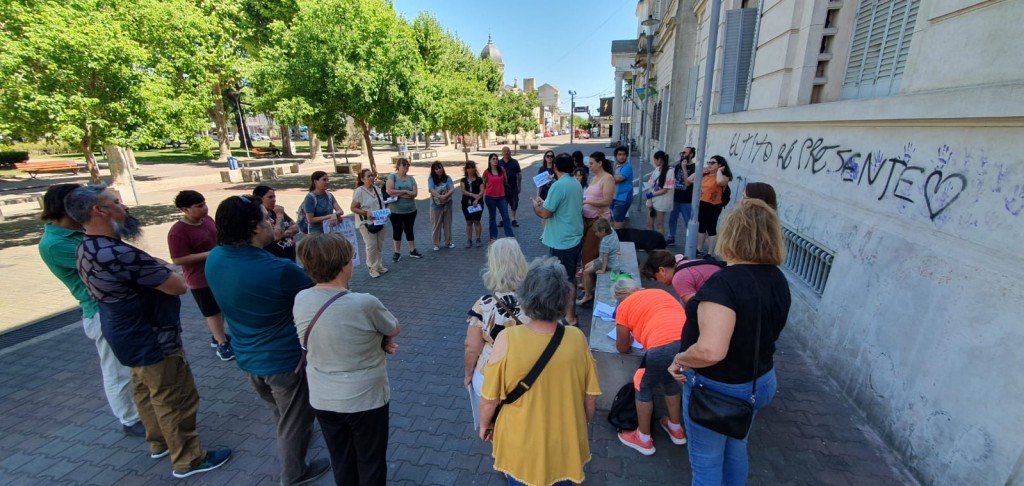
<point>491,52</point>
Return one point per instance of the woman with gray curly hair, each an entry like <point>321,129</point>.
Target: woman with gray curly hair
<point>492,313</point>
<point>540,438</point>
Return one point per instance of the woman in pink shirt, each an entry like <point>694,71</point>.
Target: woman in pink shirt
<point>597,202</point>
<point>494,197</point>
<point>685,276</point>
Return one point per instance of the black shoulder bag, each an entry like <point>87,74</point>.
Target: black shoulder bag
<point>724,414</point>
<point>305,337</point>
<point>525,384</point>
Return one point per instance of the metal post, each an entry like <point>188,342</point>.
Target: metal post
<point>646,128</point>
<point>572,114</point>
<point>702,140</point>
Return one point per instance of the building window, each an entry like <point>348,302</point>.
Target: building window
<point>879,48</point>
<point>737,59</point>
<point>656,121</point>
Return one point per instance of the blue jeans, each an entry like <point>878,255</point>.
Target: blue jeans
<point>620,209</point>
<point>686,209</point>
<point>501,204</point>
<point>718,459</point>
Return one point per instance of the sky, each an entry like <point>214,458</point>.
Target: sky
<point>565,43</point>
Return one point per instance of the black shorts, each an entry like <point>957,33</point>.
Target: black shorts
<point>471,216</point>
<point>207,304</point>
<point>512,198</point>
<point>569,258</point>
<point>707,218</point>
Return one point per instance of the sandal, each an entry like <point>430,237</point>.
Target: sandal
<point>564,322</point>
<point>585,301</point>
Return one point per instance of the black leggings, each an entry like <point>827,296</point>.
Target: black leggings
<point>403,222</point>
<point>707,219</point>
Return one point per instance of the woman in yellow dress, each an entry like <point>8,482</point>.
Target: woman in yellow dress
<point>541,438</point>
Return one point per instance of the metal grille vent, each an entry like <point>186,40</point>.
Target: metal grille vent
<point>807,260</point>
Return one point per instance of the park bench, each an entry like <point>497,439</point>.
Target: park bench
<point>424,154</point>
<point>34,168</point>
<point>259,173</point>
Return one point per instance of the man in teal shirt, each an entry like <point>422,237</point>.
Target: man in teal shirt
<point>61,237</point>
<point>563,232</point>
<point>256,291</point>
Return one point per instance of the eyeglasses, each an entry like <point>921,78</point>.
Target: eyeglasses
<point>549,156</point>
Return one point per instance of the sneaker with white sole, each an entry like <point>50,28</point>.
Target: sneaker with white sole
<point>225,352</point>
<point>631,439</point>
<point>397,256</point>
<point>678,438</point>
<point>415,254</point>
<point>451,245</point>
<point>436,247</point>
<point>213,460</point>
<point>159,454</point>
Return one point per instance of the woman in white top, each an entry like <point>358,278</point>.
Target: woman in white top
<point>366,199</point>
<point>492,313</point>
<point>660,191</point>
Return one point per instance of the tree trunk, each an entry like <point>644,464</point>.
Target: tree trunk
<point>90,158</point>
<point>118,160</point>
<point>220,119</point>
<point>131,160</point>
<point>315,153</point>
<point>369,145</point>
<point>447,138</point>
<point>287,144</point>
<point>330,145</point>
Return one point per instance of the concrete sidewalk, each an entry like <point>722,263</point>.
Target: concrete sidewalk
<point>55,427</point>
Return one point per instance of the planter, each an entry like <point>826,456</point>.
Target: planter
<point>348,168</point>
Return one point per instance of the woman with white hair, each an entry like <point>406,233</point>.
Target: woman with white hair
<point>492,313</point>
<point>541,436</point>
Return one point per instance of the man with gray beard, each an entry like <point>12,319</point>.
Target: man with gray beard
<point>140,319</point>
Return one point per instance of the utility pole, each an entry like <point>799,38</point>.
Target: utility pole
<point>690,249</point>
<point>572,114</point>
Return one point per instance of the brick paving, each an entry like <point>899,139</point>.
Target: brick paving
<point>55,427</point>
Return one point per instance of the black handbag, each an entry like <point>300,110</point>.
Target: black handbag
<point>375,228</point>
<point>724,414</point>
<point>525,384</point>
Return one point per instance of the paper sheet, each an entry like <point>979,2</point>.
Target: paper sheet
<point>614,334</point>
<point>347,227</point>
<point>604,311</point>
<point>542,178</point>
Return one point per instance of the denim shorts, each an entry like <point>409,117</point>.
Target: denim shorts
<point>619,210</point>
<point>656,374</point>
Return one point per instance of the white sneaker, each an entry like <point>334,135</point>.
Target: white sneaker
<point>451,245</point>
<point>436,248</point>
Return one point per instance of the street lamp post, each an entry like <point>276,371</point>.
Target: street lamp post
<point>705,112</point>
<point>572,114</point>
<point>649,26</point>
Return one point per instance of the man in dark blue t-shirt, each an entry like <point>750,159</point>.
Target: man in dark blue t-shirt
<point>139,316</point>
<point>513,181</point>
<point>256,291</point>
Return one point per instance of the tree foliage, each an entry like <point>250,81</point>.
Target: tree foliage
<point>514,113</point>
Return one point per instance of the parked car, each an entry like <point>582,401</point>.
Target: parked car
<point>547,133</point>
<point>258,137</point>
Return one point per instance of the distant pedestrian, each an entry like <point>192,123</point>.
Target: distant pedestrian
<point>597,202</point>
<point>345,364</point>
<point>320,205</point>
<point>682,195</point>
<point>366,199</point>
<point>737,315</point>
<point>607,260</point>
<point>713,182</point>
<point>494,197</point>
<point>190,241</point>
<point>623,173</point>
<point>659,193</point>
<point>513,182</point>
<point>472,188</point>
<point>496,311</point>
<point>685,276</point>
<point>542,437</point>
<point>140,317</point>
<point>260,316</point>
<point>654,319</point>
<point>57,248</point>
<point>403,211</point>
<point>441,190</point>
<point>285,227</point>
<point>563,233</point>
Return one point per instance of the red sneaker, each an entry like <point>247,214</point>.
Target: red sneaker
<point>678,438</point>
<point>631,439</point>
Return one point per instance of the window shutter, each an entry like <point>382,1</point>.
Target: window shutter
<point>879,47</point>
<point>737,58</point>
<point>691,92</point>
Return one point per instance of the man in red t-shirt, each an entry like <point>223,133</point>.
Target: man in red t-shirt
<point>190,241</point>
<point>655,319</point>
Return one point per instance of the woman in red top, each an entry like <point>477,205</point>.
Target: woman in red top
<point>655,319</point>
<point>494,197</point>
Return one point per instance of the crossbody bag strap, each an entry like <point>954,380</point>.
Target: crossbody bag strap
<point>507,310</point>
<point>309,329</point>
<point>525,384</point>
<point>757,343</point>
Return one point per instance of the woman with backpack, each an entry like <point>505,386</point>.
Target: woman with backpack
<point>713,197</point>
<point>661,186</point>
<point>319,205</point>
<point>685,276</point>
